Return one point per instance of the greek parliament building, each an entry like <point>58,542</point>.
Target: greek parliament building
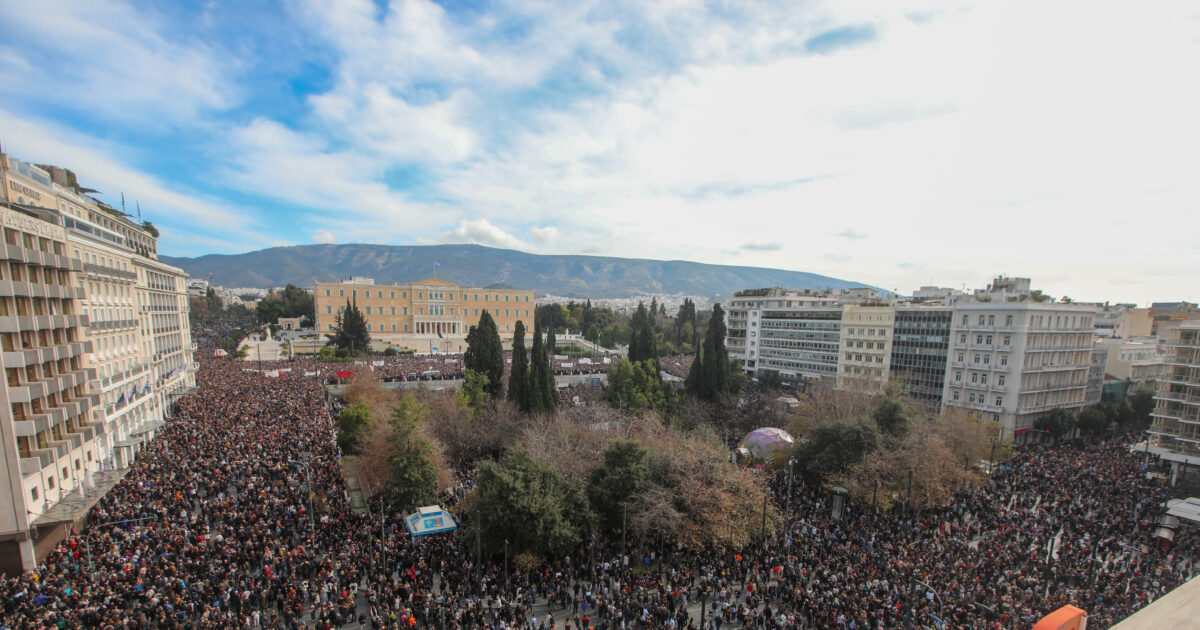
<point>96,347</point>
<point>428,316</point>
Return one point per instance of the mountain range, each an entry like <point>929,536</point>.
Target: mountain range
<point>479,266</point>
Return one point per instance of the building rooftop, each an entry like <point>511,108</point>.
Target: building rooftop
<point>1177,609</point>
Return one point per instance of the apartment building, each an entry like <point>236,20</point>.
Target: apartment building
<point>1123,321</point>
<point>866,340</point>
<point>1174,433</point>
<point>920,345</point>
<point>796,334</point>
<point>1140,360</point>
<point>1014,361</point>
<point>432,315</point>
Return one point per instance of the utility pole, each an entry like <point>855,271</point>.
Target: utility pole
<point>624,526</point>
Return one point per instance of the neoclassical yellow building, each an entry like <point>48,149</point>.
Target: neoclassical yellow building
<point>432,315</point>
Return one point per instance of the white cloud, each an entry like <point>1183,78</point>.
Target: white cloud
<point>545,235</point>
<point>105,56</point>
<point>850,233</point>
<point>481,232</point>
<point>174,211</point>
<point>324,236</point>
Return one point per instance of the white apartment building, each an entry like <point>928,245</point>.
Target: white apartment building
<point>1014,361</point>
<point>1175,430</point>
<point>796,334</point>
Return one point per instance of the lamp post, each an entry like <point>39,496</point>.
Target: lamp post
<point>506,567</point>
<point>935,594</point>
<point>791,465</point>
<point>309,489</point>
<point>624,526</point>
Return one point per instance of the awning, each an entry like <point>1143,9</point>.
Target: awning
<point>74,506</point>
<point>148,427</point>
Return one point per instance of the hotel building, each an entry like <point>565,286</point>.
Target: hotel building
<point>79,437</point>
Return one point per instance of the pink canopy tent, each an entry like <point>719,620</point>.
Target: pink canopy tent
<point>763,442</point>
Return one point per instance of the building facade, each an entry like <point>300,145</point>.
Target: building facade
<point>920,343</point>
<point>1174,433</point>
<point>1139,360</point>
<point>49,440</point>
<point>866,340</point>
<point>84,435</point>
<point>796,334</point>
<point>166,334</point>
<point>1013,362</point>
<point>432,315</point>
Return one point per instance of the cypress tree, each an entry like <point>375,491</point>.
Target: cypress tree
<point>518,380</point>
<point>542,394</point>
<point>485,353</point>
<point>710,377</point>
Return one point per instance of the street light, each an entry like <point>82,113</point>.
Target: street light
<point>308,482</point>
<point>935,594</point>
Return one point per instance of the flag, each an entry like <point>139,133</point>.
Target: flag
<point>121,399</point>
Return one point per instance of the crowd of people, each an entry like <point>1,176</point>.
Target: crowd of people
<point>236,516</point>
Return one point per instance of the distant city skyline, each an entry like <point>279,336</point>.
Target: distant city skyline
<point>898,144</point>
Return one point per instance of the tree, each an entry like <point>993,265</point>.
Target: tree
<point>713,379</point>
<point>636,386</point>
<point>518,378</point>
<point>485,353</point>
<point>473,391</point>
<point>543,395</point>
<point>350,330</point>
<point>414,477</point>
<point>1057,423</point>
<point>834,447</point>
<point>890,416</point>
<point>292,301</point>
<point>551,342</point>
<point>1093,420</point>
<point>643,345</point>
<point>531,504</point>
<point>592,334</point>
<point>1142,403</point>
<point>1125,414</point>
<point>624,472</point>
<point>353,423</point>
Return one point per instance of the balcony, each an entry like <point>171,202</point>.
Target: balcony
<point>109,272</point>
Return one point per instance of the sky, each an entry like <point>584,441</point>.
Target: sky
<point>893,142</point>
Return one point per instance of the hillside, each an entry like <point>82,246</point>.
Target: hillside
<point>476,265</point>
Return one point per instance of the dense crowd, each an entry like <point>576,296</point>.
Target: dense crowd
<point>219,527</point>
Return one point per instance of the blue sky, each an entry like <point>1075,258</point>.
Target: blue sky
<point>892,142</point>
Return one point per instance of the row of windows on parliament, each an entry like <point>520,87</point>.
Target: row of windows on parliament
<point>433,295</point>
<point>433,310</point>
